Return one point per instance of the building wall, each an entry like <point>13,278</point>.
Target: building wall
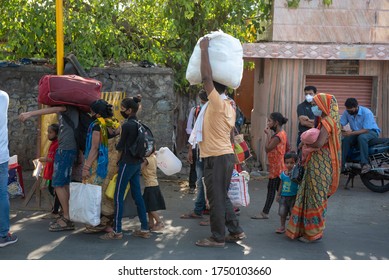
<point>279,85</point>
<point>344,21</point>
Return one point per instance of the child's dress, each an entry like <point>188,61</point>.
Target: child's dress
<point>152,194</point>
<point>49,166</point>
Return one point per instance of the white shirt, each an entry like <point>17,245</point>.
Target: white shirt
<point>4,102</point>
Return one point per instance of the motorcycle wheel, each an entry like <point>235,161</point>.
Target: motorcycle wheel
<point>375,182</point>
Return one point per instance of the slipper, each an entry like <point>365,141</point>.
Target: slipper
<point>280,230</point>
<point>232,238</point>
<point>208,242</point>
<point>191,216</point>
<point>205,223</point>
<point>260,216</point>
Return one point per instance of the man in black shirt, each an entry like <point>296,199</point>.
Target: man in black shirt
<point>304,112</point>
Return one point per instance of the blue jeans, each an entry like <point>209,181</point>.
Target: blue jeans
<point>200,204</point>
<point>4,200</point>
<point>129,173</point>
<point>362,141</point>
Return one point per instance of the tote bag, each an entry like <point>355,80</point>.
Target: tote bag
<point>85,203</point>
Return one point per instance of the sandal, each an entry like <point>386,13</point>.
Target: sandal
<point>260,216</point>
<point>142,233</point>
<point>191,216</point>
<point>96,229</point>
<point>209,242</point>
<point>56,226</point>
<point>112,236</point>
<point>232,238</point>
<point>205,223</point>
<point>280,230</point>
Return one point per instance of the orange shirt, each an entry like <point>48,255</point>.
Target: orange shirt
<point>219,119</point>
<point>276,156</point>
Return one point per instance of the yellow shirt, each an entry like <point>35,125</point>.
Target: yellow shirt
<point>219,119</point>
<point>149,171</point>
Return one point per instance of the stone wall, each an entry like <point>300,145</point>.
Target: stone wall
<point>156,85</point>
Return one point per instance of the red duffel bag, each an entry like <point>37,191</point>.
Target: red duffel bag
<point>69,90</point>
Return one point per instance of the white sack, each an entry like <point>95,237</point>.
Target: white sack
<point>226,59</point>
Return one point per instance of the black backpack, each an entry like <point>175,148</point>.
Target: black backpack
<point>81,131</point>
<point>144,143</point>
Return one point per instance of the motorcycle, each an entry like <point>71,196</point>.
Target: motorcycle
<point>377,179</point>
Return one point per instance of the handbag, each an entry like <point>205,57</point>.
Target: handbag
<point>297,173</point>
<point>241,148</point>
<point>238,191</point>
<point>110,191</point>
<point>85,203</point>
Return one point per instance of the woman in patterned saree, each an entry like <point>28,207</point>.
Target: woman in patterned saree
<point>321,178</point>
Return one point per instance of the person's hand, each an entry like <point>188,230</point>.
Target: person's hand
<point>204,43</point>
<point>278,198</point>
<point>267,131</point>
<point>346,133</point>
<point>24,116</point>
<point>42,159</point>
<point>85,173</point>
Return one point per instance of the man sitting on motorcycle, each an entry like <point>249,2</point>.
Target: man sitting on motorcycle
<point>363,129</point>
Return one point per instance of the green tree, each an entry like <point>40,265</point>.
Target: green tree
<point>102,31</point>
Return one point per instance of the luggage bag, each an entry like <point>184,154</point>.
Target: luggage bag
<point>69,90</point>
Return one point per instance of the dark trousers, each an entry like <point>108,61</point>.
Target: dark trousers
<point>362,141</point>
<point>217,177</point>
<point>192,172</point>
<point>57,204</point>
<point>272,187</point>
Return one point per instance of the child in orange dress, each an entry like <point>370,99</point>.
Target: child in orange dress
<point>275,147</point>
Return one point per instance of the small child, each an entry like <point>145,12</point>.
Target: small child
<point>286,194</point>
<point>52,135</point>
<point>152,195</point>
<point>308,138</point>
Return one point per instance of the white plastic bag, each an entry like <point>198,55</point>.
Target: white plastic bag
<point>38,168</point>
<point>238,191</point>
<point>85,203</point>
<point>226,59</point>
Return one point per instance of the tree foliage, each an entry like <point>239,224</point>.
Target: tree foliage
<point>110,31</point>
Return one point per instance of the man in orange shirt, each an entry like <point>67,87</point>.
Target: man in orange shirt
<point>218,155</point>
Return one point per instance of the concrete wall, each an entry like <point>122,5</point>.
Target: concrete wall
<point>344,21</point>
<point>154,84</point>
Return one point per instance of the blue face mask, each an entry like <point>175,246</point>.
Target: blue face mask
<point>316,111</point>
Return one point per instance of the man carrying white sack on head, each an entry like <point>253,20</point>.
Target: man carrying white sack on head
<point>212,132</point>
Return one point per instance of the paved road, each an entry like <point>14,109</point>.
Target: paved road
<point>357,229</point>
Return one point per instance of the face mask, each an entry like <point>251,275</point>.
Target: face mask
<point>316,111</point>
<point>309,98</point>
<point>123,113</point>
<point>353,112</point>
